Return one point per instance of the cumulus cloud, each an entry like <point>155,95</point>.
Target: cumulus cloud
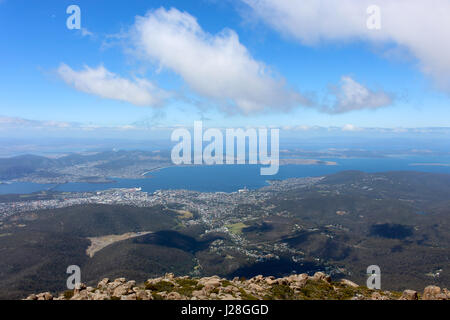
<point>351,95</point>
<point>420,27</point>
<point>217,67</point>
<point>105,84</point>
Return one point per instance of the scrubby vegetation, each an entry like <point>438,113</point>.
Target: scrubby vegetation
<point>295,287</point>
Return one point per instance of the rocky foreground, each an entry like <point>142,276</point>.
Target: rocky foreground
<point>294,287</point>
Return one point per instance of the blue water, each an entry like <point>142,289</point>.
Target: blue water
<point>228,178</point>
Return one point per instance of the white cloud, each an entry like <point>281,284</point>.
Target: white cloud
<point>103,83</point>
<point>86,33</point>
<point>16,124</point>
<point>351,128</point>
<point>9,123</point>
<point>217,67</point>
<point>422,27</point>
<point>351,95</point>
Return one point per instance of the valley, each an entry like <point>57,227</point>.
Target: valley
<point>338,224</point>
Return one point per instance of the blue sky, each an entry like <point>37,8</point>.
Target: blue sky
<point>350,78</point>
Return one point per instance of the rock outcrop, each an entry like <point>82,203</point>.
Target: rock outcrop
<point>294,287</point>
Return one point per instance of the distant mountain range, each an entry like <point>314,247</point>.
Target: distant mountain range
<point>81,167</point>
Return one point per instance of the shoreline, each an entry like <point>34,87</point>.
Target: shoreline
<point>156,169</point>
<point>30,187</point>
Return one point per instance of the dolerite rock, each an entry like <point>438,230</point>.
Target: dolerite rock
<point>79,287</point>
<point>44,296</point>
<point>378,296</point>
<point>129,297</point>
<point>81,295</point>
<point>349,283</point>
<point>102,284</point>
<point>409,295</point>
<point>297,282</point>
<point>321,276</point>
<point>447,293</point>
<point>431,293</point>
<point>271,280</point>
<point>124,289</point>
<point>174,296</point>
<point>210,284</point>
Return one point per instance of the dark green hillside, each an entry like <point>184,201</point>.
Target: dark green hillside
<point>173,239</point>
<point>100,220</point>
<point>139,260</point>
<point>32,260</point>
<point>38,253</point>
